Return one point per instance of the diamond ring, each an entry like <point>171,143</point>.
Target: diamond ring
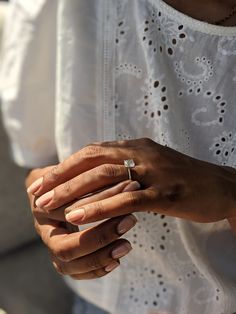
<point>129,163</point>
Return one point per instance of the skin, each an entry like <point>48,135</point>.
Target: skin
<point>82,254</point>
<point>206,10</point>
<point>171,183</point>
<point>94,179</point>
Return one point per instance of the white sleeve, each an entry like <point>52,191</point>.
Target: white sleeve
<point>27,81</point>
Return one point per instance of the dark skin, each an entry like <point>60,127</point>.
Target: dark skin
<point>82,254</point>
<point>171,184</point>
<point>85,255</point>
<point>206,10</point>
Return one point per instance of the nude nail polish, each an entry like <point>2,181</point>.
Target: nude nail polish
<point>132,186</point>
<point>34,187</point>
<point>126,224</point>
<point>75,215</point>
<point>111,266</point>
<point>121,250</point>
<point>44,199</point>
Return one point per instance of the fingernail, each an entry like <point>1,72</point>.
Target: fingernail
<point>44,199</point>
<point>126,224</point>
<point>75,216</point>
<point>111,266</point>
<point>34,187</point>
<point>132,186</point>
<point>121,250</point>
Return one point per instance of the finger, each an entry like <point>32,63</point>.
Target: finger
<point>121,204</point>
<point>99,259</point>
<point>87,158</point>
<point>59,213</point>
<point>35,173</point>
<point>88,182</point>
<point>97,273</point>
<point>69,246</point>
<point>116,189</point>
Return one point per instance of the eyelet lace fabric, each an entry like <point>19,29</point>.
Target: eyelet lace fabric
<point>181,97</point>
<point>131,69</point>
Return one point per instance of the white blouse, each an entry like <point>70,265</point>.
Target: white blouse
<point>77,71</point>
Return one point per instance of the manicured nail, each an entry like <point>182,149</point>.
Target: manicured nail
<point>75,215</point>
<point>121,250</point>
<point>126,224</point>
<point>44,199</point>
<point>132,186</point>
<point>34,187</point>
<point>111,266</point>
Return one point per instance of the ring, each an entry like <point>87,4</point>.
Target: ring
<point>129,163</point>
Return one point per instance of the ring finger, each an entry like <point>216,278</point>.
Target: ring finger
<point>88,182</point>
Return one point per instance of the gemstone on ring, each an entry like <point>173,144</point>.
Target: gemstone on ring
<point>129,163</point>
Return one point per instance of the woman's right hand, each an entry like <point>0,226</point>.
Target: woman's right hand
<point>86,254</point>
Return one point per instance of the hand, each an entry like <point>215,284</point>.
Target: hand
<point>88,254</point>
<point>171,183</point>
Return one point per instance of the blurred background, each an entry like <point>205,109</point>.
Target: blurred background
<point>28,282</point>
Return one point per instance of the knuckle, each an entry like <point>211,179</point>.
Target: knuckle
<point>91,151</point>
<point>107,171</point>
<point>53,174</point>
<point>132,199</point>
<point>62,253</point>
<point>103,239</point>
<point>67,189</point>
<point>94,262</point>
<point>74,159</point>
<point>98,210</point>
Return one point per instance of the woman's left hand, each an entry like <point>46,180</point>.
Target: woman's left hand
<point>172,183</point>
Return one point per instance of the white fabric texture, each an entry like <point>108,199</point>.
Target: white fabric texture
<point>80,71</point>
